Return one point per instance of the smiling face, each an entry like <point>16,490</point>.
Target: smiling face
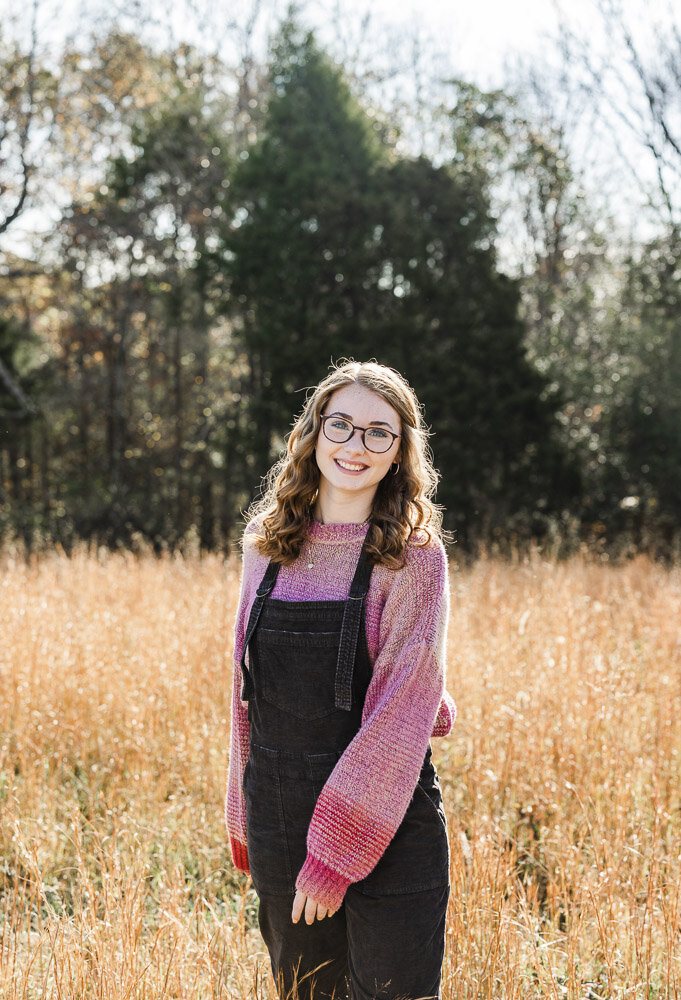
<point>350,473</point>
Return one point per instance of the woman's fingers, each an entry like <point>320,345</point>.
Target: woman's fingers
<point>298,906</point>
<point>313,910</point>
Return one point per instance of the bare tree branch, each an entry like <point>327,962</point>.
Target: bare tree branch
<point>24,131</point>
<point>656,107</point>
<point>629,88</point>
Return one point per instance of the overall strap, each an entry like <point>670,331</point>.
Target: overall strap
<point>264,590</point>
<point>352,618</point>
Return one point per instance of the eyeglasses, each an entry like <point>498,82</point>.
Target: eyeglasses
<point>339,430</point>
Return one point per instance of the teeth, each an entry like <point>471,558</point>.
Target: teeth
<point>351,468</point>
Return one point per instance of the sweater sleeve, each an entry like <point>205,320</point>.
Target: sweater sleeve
<point>235,805</point>
<point>367,795</point>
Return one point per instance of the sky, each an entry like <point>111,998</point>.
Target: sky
<point>478,35</point>
<point>481,37</point>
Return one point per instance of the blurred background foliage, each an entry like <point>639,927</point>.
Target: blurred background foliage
<point>219,230</point>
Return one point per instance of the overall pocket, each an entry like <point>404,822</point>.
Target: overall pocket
<point>417,858</point>
<point>281,791</point>
<point>296,671</point>
<point>268,852</point>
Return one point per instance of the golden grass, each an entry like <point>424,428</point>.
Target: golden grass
<point>562,782</point>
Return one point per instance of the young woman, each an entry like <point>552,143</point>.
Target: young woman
<point>333,804</point>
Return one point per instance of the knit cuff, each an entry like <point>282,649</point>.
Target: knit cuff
<point>325,885</point>
<point>446,717</point>
<point>239,855</point>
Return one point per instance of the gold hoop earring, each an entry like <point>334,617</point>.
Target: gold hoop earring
<point>396,468</point>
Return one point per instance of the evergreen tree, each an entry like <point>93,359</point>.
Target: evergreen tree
<point>300,243</point>
<point>449,320</point>
<point>338,247</point>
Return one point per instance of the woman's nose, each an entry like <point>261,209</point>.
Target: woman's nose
<point>356,442</point>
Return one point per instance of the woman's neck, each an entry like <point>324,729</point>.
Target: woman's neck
<point>341,510</point>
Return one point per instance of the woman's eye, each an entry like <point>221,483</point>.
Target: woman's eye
<point>340,425</point>
<point>377,433</point>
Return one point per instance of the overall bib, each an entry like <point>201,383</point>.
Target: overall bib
<point>305,682</point>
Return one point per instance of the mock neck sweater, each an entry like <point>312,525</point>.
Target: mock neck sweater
<point>366,797</point>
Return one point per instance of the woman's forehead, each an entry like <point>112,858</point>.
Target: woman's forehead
<point>362,405</point>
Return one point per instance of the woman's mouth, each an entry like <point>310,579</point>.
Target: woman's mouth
<point>349,466</point>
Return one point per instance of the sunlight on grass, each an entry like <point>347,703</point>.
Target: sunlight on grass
<point>562,782</point>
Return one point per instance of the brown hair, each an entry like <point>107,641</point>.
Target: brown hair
<point>402,504</point>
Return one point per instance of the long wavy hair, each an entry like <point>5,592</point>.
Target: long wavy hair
<point>403,501</point>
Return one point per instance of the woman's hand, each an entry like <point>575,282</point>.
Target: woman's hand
<point>313,909</point>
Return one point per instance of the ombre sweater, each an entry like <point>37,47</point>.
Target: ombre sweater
<point>367,795</point>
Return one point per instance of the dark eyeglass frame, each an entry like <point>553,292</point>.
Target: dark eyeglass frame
<point>354,427</point>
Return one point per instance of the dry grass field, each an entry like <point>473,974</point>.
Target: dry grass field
<point>562,781</point>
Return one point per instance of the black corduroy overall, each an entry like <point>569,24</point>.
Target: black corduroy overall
<point>306,679</point>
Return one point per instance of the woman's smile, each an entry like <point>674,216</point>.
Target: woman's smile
<point>349,466</point>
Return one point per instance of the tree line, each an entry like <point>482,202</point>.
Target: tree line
<point>225,235</point>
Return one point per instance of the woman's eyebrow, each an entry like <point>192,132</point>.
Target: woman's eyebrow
<point>337,413</point>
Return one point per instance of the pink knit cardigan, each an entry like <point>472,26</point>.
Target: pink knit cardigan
<point>367,794</point>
